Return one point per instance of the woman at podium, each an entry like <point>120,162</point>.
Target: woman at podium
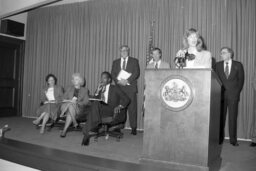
<point>193,54</point>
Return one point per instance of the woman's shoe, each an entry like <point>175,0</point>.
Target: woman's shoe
<point>77,128</point>
<point>63,134</point>
<point>41,131</point>
<point>35,122</point>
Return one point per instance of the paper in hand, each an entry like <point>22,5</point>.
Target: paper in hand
<point>123,75</point>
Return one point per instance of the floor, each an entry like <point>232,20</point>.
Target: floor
<point>129,149</point>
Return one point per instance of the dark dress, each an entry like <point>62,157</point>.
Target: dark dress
<point>51,108</point>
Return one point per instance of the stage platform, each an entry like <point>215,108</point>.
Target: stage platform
<point>124,155</point>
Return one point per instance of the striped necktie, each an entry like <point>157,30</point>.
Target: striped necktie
<point>226,70</point>
<point>124,64</point>
<point>156,66</point>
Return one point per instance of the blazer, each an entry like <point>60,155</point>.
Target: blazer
<point>233,85</point>
<point>83,95</point>
<point>116,97</point>
<point>163,65</point>
<point>57,92</point>
<point>131,67</point>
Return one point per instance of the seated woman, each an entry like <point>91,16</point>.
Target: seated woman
<point>75,100</point>
<point>51,96</point>
<point>194,53</point>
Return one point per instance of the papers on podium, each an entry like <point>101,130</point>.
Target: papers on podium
<point>123,75</point>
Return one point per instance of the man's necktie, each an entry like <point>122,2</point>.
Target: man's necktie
<point>226,70</point>
<point>102,93</point>
<point>156,66</point>
<point>124,64</point>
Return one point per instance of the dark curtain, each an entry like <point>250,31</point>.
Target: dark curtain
<point>85,37</point>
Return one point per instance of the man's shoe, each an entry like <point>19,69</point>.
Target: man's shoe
<point>134,132</point>
<point>253,144</point>
<point>86,140</point>
<point>235,144</point>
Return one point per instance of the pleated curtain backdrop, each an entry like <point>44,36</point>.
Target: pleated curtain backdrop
<point>85,37</point>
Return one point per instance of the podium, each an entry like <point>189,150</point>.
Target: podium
<point>181,120</point>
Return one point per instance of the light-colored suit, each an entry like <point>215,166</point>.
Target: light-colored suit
<point>163,65</point>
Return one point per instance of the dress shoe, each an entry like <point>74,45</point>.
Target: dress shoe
<point>41,131</point>
<point>77,128</point>
<point>35,122</point>
<point>86,140</point>
<point>63,134</point>
<point>134,132</point>
<point>253,144</point>
<point>234,144</point>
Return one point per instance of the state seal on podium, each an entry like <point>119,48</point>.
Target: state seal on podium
<point>176,93</point>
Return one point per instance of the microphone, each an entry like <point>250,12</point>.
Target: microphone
<point>4,129</point>
<point>180,62</point>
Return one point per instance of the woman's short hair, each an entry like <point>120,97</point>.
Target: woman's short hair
<point>49,76</point>
<point>229,51</point>
<point>81,78</point>
<point>200,43</point>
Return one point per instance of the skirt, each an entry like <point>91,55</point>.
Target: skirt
<point>78,110</point>
<point>51,108</point>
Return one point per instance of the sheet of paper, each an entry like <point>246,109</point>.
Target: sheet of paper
<point>94,99</point>
<point>123,75</point>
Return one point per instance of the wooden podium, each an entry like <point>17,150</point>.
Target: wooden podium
<point>181,122</point>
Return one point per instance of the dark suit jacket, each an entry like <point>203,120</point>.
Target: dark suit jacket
<point>116,97</point>
<point>131,67</point>
<point>234,84</point>
<point>83,95</point>
<point>58,94</point>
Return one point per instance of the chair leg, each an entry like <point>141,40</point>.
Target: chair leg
<point>117,135</point>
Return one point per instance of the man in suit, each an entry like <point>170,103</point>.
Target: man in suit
<point>231,74</point>
<point>128,86</point>
<point>112,104</point>
<point>157,62</point>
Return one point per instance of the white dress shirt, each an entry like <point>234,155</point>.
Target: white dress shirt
<point>229,65</point>
<point>106,93</point>
<point>158,64</point>
<point>50,94</point>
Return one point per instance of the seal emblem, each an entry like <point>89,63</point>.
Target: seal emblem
<point>176,93</point>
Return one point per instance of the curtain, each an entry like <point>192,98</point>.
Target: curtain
<point>85,37</point>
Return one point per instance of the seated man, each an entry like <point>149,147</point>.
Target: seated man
<point>113,100</point>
